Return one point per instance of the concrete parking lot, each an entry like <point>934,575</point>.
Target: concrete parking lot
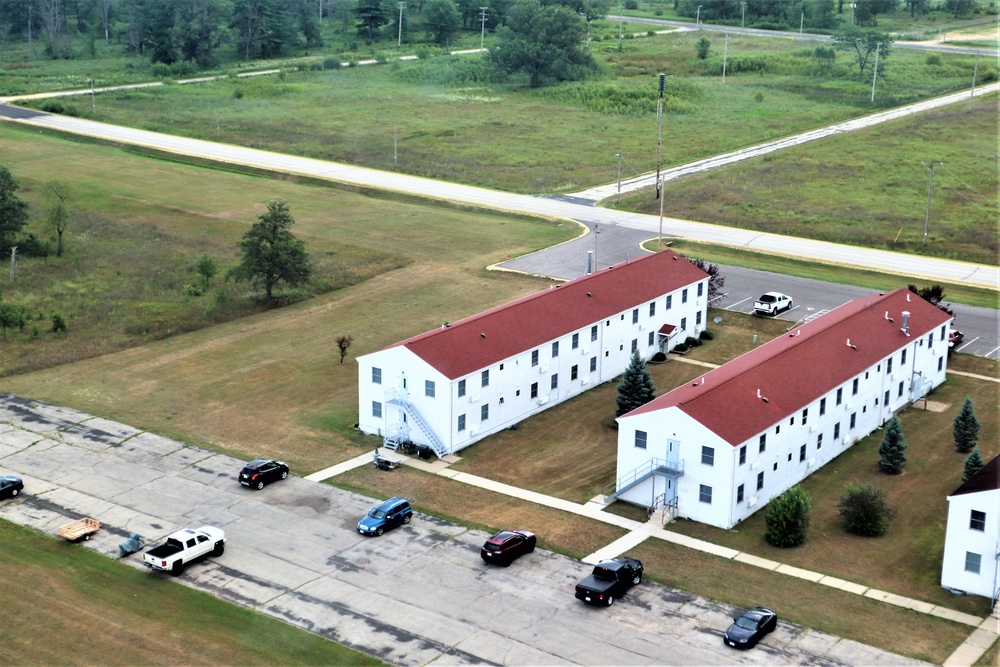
<point>418,594</point>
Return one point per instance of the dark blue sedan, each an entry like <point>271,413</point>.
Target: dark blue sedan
<point>750,628</point>
<point>10,486</point>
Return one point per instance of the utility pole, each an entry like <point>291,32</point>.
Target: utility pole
<point>596,232</point>
<point>659,130</point>
<point>875,73</point>
<point>659,188</point>
<point>930,184</point>
<point>13,262</point>
<point>93,101</point>
<point>725,55</point>
<point>482,31</point>
<point>743,15</point>
<point>395,154</point>
<point>621,26</point>
<point>399,39</point>
<point>619,156</point>
<point>218,128</point>
<point>802,21</point>
<point>698,18</point>
<point>975,71</point>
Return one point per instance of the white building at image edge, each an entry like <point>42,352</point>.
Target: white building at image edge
<point>717,449</point>
<point>971,562</point>
<point>449,388</point>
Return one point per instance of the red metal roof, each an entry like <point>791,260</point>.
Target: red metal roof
<point>479,341</point>
<point>987,479</point>
<point>796,369</point>
<point>667,329</point>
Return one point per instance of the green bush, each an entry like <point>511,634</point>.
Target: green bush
<point>58,323</point>
<point>933,59</point>
<point>631,4</point>
<point>865,510</point>
<point>787,518</point>
<point>331,63</point>
<point>706,335</point>
<point>692,341</point>
<point>680,348</point>
<point>659,356</point>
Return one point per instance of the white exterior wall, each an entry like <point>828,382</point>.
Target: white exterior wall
<point>508,395</point>
<point>783,462</point>
<point>960,539</point>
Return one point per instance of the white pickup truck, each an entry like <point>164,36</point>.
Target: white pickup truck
<point>184,546</point>
<point>772,303</point>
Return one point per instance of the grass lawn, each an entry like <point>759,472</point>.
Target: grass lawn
<point>864,188</point>
<point>907,560</point>
<point>66,605</point>
<point>991,658</point>
<point>566,533</point>
<point>733,256</point>
<point>813,605</point>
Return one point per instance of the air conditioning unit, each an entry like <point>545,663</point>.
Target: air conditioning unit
<point>474,398</point>
<point>543,368</point>
<point>755,465</point>
<point>585,350</point>
<point>584,381</point>
<point>812,429</point>
<point>810,463</point>
<point>543,400</point>
<point>752,501</point>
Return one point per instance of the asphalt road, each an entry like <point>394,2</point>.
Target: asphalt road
<point>417,595</point>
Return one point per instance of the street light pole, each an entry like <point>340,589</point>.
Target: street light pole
<point>930,184</point>
<point>399,39</point>
<point>619,156</point>
<point>875,73</point>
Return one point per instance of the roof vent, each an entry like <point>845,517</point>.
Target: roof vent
<point>907,296</point>
<point>853,347</point>
<point>589,294</point>
<point>762,397</point>
<point>674,258</point>
<point>906,322</point>
<point>483,335</point>
<point>887,316</point>
<point>797,332</point>
<point>447,324</point>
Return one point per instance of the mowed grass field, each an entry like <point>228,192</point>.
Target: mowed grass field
<point>66,605</point>
<point>866,188</point>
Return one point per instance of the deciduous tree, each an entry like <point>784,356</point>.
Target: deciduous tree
<point>862,44</point>
<point>891,456</point>
<point>716,281</point>
<point>542,42</point>
<point>58,201</point>
<point>13,211</point>
<point>865,510</point>
<point>636,388</point>
<point>343,343</point>
<point>207,268</point>
<point>443,20</point>
<point>271,253</point>
<point>787,519</point>
<point>966,427</point>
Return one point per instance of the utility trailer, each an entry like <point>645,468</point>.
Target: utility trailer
<point>81,529</point>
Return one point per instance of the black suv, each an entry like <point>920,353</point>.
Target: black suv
<point>260,472</point>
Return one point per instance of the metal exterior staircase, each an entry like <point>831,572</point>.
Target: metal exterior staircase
<point>654,466</point>
<point>394,440</point>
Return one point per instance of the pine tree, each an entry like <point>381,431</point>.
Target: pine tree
<point>891,458</point>
<point>973,462</point>
<point>966,427</point>
<point>636,388</point>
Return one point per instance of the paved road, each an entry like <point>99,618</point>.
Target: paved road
<point>923,267</point>
<point>417,595</point>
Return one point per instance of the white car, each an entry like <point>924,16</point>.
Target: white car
<point>772,303</point>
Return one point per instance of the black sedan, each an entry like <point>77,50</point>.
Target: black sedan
<point>750,627</point>
<point>260,472</point>
<point>507,545</point>
<point>10,486</point>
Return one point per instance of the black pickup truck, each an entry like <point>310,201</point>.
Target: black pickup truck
<point>610,579</point>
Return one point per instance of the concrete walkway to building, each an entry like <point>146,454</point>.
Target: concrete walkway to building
<point>986,630</point>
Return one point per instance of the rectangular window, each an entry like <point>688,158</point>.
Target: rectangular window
<point>697,318</point>
<point>836,430</point>
<point>461,423</point>
<point>650,340</point>
<point>461,388</point>
<point>429,388</point>
<point>376,409</point>
<point>977,521</point>
<point>739,494</point>
<point>822,407</point>
<point>484,412</point>
<point>819,442</point>
<point>593,333</point>
<point>972,562</point>
<point>576,341</point>
<point>555,349</point>
<point>684,295</point>
<point>888,366</point>
<point>574,372</point>
<point>684,324</point>
<point>635,316</point>
<point>885,400</point>
<point>942,332</point>
<point>940,363</point>
<point>840,396</point>
<point>802,453</point>
<point>853,420</point>
<point>701,288</point>
<point>593,364</point>
<point>705,494</point>
<point>900,392</point>
<point>743,454</point>
<point>652,309</point>
<point>554,382</point>
<point>902,359</point>
<point>854,387</point>
<point>640,439</point>
<point>763,443</point>
<point>805,416</point>
<point>670,301</point>
<point>635,344</point>
<point>708,456</point>
<point>534,390</point>
<point>486,378</point>
<point>760,481</point>
<point>534,358</point>
<point>376,375</point>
